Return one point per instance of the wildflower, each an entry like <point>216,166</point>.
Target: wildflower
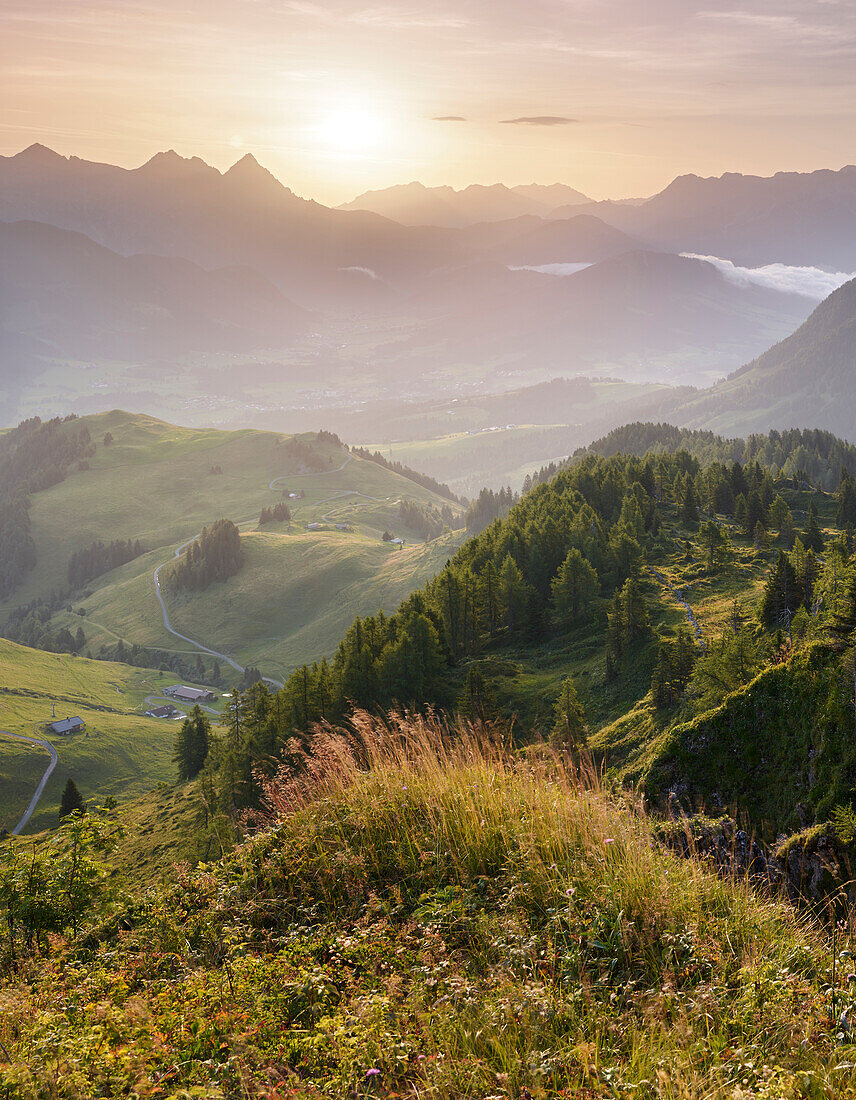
<point>609,840</point>
<point>372,1072</point>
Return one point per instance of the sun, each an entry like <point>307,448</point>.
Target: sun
<point>351,130</point>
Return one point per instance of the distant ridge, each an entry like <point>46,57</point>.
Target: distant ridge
<point>416,204</point>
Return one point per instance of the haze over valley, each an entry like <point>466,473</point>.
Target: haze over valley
<point>225,299</point>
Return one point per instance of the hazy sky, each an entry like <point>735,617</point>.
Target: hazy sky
<point>335,96</point>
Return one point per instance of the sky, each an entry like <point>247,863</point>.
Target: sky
<point>614,97</point>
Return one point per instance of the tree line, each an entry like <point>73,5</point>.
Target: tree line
<point>488,506</point>
<point>33,456</point>
<point>807,457</point>
<point>424,480</point>
<point>84,565</point>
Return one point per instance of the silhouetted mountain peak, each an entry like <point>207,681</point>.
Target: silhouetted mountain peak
<point>247,172</point>
<point>38,154</point>
<point>170,163</point>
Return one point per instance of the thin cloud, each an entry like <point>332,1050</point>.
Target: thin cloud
<point>808,282</point>
<point>367,271</point>
<point>449,118</point>
<point>561,271</point>
<point>538,120</point>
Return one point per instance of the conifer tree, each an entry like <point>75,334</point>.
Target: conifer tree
<point>636,621</point>
<point>71,801</point>
<point>569,730</point>
<point>689,503</point>
<point>755,514</point>
<point>574,586</point>
<point>741,512</point>
<point>782,595</point>
<point>813,537</point>
<point>512,594</point>
<point>715,544</point>
<point>846,512</point>
<point>192,744</point>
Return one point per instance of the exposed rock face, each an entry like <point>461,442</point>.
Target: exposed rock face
<point>815,866</point>
<point>812,868</point>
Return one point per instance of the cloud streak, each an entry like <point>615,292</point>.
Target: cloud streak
<point>537,120</point>
<point>808,282</point>
<point>559,270</point>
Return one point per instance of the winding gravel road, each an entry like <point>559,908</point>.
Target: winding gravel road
<point>34,801</point>
<point>338,494</point>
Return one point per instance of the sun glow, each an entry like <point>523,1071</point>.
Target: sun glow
<point>351,130</point>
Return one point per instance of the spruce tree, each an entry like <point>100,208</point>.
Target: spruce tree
<point>782,595</point>
<point>71,801</point>
<point>636,621</point>
<point>813,537</point>
<point>715,543</point>
<point>574,586</point>
<point>569,730</point>
<point>512,594</point>
<point>192,745</point>
<point>689,504</point>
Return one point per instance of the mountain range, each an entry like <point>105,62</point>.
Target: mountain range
<point>132,271</point>
<point>416,204</point>
<point>639,313</point>
<point>806,218</point>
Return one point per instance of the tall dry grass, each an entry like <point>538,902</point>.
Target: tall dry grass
<point>413,802</point>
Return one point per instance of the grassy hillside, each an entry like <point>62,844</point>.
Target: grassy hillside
<point>292,600</point>
<point>441,923</point>
<point>161,484</point>
<point>121,753</point>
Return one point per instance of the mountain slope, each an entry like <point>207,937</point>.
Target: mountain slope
<point>74,299</point>
<point>541,943</point>
<point>807,379</point>
<point>580,239</point>
<point>161,484</point>
<point>121,753</point>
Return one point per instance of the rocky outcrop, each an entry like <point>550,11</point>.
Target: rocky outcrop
<point>813,868</point>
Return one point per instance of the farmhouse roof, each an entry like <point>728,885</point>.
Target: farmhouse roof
<point>66,725</point>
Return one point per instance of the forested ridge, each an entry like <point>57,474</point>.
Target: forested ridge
<point>810,454</point>
<point>560,612</point>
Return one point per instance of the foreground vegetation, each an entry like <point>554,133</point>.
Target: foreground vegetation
<point>426,914</point>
